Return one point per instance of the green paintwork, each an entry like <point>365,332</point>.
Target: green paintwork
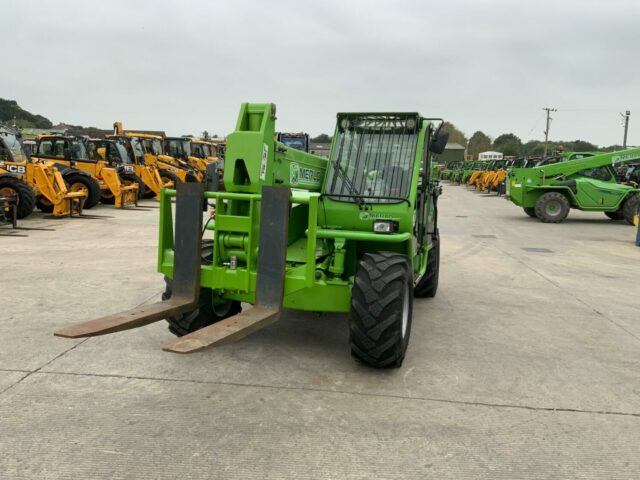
<point>575,179</point>
<point>327,235</point>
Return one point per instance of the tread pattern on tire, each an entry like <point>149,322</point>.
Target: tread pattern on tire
<point>26,198</point>
<point>92,186</point>
<point>428,284</point>
<point>376,309</point>
<point>630,207</point>
<point>550,196</point>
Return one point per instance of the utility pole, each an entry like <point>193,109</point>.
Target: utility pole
<point>546,130</point>
<point>625,117</point>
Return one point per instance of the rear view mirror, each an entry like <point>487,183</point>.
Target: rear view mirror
<point>438,142</point>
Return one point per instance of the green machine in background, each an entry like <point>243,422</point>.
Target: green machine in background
<point>548,192</point>
<point>356,234</point>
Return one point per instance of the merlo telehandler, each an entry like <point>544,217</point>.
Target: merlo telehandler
<point>98,178</point>
<point>49,189</point>
<point>355,234</point>
<point>586,182</point>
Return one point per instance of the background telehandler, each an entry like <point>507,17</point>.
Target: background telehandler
<point>587,182</point>
<point>49,189</point>
<point>357,234</point>
<point>98,178</point>
<point>172,170</point>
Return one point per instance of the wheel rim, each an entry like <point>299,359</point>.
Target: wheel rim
<point>167,182</point>
<point>222,309</point>
<point>8,192</point>
<point>553,208</point>
<point>405,312</point>
<point>78,187</point>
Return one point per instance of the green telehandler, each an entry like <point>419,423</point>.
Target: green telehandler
<point>586,182</point>
<point>355,234</point>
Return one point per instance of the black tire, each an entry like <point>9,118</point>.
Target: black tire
<point>90,184</point>
<point>15,188</point>
<point>167,175</point>
<point>630,207</point>
<point>552,207</point>
<point>43,204</point>
<point>531,211</point>
<point>617,215</point>
<point>428,285</point>
<point>381,309</point>
<point>130,178</point>
<point>191,178</point>
<point>205,313</point>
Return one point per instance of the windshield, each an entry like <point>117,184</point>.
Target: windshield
<point>178,148</point>
<point>138,151</point>
<point>373,157</point>
<point>122,153</point>
<point>197,150</point>
<point>152,146</point>
<point>11,149</point>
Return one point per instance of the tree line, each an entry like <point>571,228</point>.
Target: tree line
<point>510,144</point>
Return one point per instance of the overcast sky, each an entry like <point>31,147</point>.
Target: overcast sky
<point>186,66</point>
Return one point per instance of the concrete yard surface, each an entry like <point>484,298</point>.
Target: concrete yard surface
<point>526,365</point>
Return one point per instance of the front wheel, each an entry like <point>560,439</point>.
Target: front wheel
<point>83,183</point>
<point>129,179</point>
<point>530,211</point>
<point>630,208</point>
<point>552,207</point>
<point>205,312</point>
<point>617,215</point>
<point>381,309</point>
<point>428,285</point>
<point>17,190</point>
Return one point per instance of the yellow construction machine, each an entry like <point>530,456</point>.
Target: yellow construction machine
<point>49,188</point>
<point>147,174</point>
<point>102,178</point>
<point>181,148</point>
<point>172,170</point>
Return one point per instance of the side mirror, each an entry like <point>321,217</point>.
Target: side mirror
<point>438,142</point>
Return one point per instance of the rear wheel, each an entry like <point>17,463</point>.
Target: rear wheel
<point>630,207</point>
<point>381,309</point>
<point>84,183</point>
<point>205,313</point>
<point>530,211</point>
<point>428,284</point>
<point>552,207</point>
<point>617,215</point>
<point>19,191</point>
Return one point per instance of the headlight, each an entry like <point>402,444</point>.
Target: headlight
<point>385,226</point>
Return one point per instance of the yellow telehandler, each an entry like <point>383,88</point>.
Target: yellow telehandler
<point>50,191</point>
<point>101,179</point>
<point>172,170</point>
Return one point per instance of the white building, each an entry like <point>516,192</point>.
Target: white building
<point>487,156</point>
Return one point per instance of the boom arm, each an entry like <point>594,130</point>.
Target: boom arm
<point>574,166</point>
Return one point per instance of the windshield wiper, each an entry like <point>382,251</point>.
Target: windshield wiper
<point>353,191</point>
